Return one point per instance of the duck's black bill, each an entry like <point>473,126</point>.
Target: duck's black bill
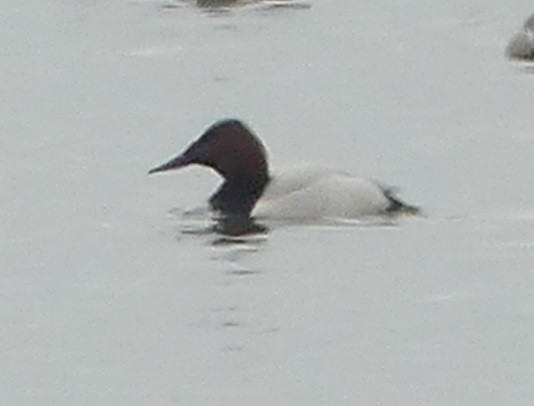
<point>175,163</point>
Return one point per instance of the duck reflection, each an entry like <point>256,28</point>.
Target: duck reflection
<point>221,6</point>
<point>227,230</point>
<point>216,3</point>
<point>239,226</point>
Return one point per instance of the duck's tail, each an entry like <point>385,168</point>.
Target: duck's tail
<point>397,206</point>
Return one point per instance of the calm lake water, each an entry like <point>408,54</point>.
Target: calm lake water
<point>109,296</point>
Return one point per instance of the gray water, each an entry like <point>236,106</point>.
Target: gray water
<point>109,296</point>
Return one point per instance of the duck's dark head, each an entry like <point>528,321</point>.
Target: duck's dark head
<point>231,149</point>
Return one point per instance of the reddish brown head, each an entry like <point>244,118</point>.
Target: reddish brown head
<point>231,149</point>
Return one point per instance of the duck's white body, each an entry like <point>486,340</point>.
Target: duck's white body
<point>315,192</point>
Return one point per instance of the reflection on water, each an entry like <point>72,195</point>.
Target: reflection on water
<point>233,236</point>
<point>273,4</point>
<point>229,230</point>
<point>201,221</point>
<point>215,3</point>
<point>222,6</point>
<point>242,272</point>
<point>239,226</point>
<point>233,245</point>
<point>528,68</point>
<point>244,230</point>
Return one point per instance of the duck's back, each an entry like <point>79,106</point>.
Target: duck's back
<point>320,193</point>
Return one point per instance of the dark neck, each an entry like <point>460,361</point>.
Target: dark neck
<point>237,197</point>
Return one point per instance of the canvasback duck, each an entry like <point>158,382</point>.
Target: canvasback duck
<point>249,189</point>
<point>522,44</point>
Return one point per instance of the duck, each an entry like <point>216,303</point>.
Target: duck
<point>521,46</point>
<point>250,190</point>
